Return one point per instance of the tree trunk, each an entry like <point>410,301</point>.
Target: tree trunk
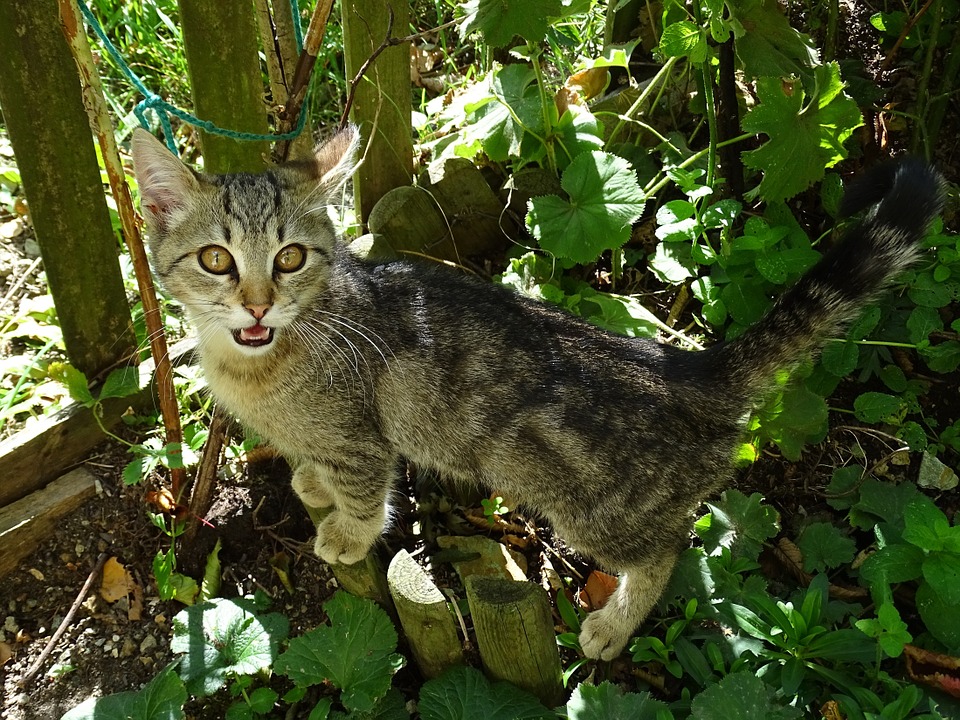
<point>220,41</point>
<point>382,99</point>
<point>52,141</point>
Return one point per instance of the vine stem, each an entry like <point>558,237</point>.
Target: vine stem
<point>545,103</point>
<point>644,96</point>
<point>654,187</point>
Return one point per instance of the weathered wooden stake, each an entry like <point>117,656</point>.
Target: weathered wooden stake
<point>514,630</point>
<point>426,619</point>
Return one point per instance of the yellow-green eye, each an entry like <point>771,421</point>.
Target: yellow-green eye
<point>215,259</point>
<point>291,258</point>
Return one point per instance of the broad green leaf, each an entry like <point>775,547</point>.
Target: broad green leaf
<point>356,652</point>
<point>769,45</point>
<point>500,20</point>
<point>845,645</point>
<point>739,523</point>
<point>882,500</point>
<point>940,617</point>
<point>942,358</point>
<point>620,314</point>
<point>133,471</point>
<point>391,706</point>
<point>889,630</point>
<point>740,696</point>
<point>463,693</point>
<point>499,120</point>
<point>864,325</point>
<point>672,263</point>
<point>942,571</point>
<point>160,699</point>
<point>893,377</point>
<point>895,563</point>
<point>927,291</point>
<point>674,211</point>
<point>840,358</point>
<point>210,585</point>
<point>745,301</point>
<point>221,637</point>
<point>606,700</point>
<point>798,417</point>
<point>824,547</point>
<point>874,407</point>
<point>915,436</point>
<point>605,199</point>
<point>805,134</point>
<point>841,492</point>
<point>925,525</point>
<point>922,322</point>
<point>721,214</point>
<point>684,39</point>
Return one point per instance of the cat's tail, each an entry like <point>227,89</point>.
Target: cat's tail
<point>903,198</point>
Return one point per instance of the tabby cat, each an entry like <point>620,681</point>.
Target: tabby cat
<point>346,366</point>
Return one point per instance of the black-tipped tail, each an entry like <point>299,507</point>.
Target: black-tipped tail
<point>903,198</point>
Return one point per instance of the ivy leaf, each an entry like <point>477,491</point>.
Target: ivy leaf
<point>740,696</point>
<point>604,701</point>
<point>463,693</point>
<point>160,699</point>
<point>739,523</point>
<point>221,637</point>
<point>824,547</point>
<point>605,198</point>
<point>356,652</point>
<point>806,134</point>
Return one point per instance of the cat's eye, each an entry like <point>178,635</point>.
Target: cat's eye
<point>291,258</point>
<point>215,259</point>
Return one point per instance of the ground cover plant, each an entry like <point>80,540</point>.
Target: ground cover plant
<point>830,591</point>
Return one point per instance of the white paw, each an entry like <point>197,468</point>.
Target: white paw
<point>343,539</point>
<point>310,488</point>
<point>604,634</point>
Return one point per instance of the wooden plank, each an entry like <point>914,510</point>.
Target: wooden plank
<point>30,521</point>
<point>35,456</point>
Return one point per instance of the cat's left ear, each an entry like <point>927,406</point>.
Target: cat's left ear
<point>166,184</point>
<point>335,158</point>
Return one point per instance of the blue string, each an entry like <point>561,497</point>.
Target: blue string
<point>163,109</point>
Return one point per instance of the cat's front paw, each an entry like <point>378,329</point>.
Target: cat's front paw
<point>604,634</point>
<point>345,539</point>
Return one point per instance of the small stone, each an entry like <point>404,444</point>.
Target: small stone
<point>10,624</point>
<point>129,647</point>
<point>148,644</point>
<point>79,549</point>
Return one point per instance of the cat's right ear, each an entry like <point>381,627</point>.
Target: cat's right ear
<point>166,184</point>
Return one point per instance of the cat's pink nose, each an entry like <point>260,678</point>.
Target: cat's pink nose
<point>258,311</point>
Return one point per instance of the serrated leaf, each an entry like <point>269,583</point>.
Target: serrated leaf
<point>356,652</point>
<point>121,382</point>
<point>824,547</point>
<point>672,263</point>
<point>160,699</point>
<point>841,492</point>
<point>805,135</point>
<point>942,358</point>
<point>874,407</point>
<point>745,301</point>
<point>74,380</point>
<point>684,39</point>
<point>768,45</point>
<point>133,471</point>
<point>606,700</point>
<point>927,291</point>
<point>605,198</point>
<point>740,696</point>
<point>224,636</point>
<point>463,693</point>
<point>500,20</point>
<point>739,523</point>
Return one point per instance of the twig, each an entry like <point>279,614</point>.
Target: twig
<point>95,105</point>
<point>65,623</point>
<point>887,61</point>
<point>201,494</point>
<point>20,281</point>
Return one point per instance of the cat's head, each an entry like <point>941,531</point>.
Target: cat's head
<point>246,254</point>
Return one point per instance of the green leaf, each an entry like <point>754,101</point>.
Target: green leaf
<point>621,314</point>
<point>500,20</point>
<point>74,380</point>
<point>356,652</point>
<point>806,134</point>
<point>883,500</point>
<point>740,696</point>
<point>840,358</point>
<point>221,637</point>
<point>865,324</point>
<point>845,646</point>
<point>121,382</point>
<point>768,46</point>
<point>942,358</point>
<point>133,471</point>
<point>895,563</point>
<point>922,322</point>
<point>210,585</point>
<point>893,377</point>
<point>739,523</point>
<point>745,301</point>
<point>841,492</point>
<point>262,700</point>
<point>160,699</point>
<point>672,263</point>
<point>500,120</point>
<point>875,407</point>
<point>684,39</point>
<point>927,291</point>
<point>606,700</point>
<point>925,525</point>
<point>824,547</point>
<point>463,693</point>
<point>940,617</point>
<point>942,571</point>
<point>605,199</point>
<point>889,630</point>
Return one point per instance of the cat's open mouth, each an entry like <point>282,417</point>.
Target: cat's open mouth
<point>254,336</point>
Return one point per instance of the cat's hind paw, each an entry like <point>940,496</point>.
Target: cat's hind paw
<point>604,635</point>
<point>344,539</point>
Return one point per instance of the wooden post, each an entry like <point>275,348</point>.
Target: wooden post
<point>514,630</point>
<point>381,105</point>
<point>220,41</point>
<point>426,619</point>
<point>50,134</point>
